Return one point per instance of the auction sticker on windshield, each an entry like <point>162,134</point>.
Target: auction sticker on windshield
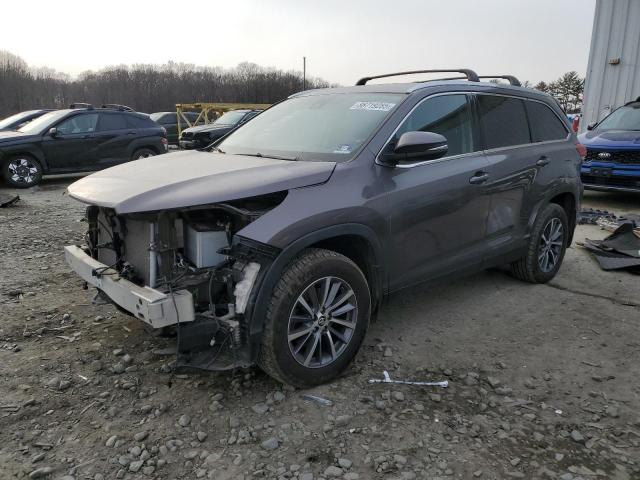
<point>378,106</point>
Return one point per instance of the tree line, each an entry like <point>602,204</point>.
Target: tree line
<point>154,88</point>
<point>145,88</point>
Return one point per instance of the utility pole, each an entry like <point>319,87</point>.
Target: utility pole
<point>304,73</point>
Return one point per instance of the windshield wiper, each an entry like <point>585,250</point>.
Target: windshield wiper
<point>275,157</point>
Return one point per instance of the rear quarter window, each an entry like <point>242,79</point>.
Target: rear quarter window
<point>545,125</point>
<point>503,120</point>
<point>135,121</point>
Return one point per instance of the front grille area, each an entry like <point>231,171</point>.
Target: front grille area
<point>627,157</point>
<point>614,181</point>
<point>186,135</point>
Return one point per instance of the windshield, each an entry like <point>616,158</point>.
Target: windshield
<point>314,127</point>
<point>230,118</point>
<point>9,121</point>
<point>624,118</point>
<point>43,122</point>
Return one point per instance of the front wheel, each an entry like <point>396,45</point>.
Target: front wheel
<point>22,171</point>
<point>547,246</point>
<point>316,319</point>
<point>143,153</point>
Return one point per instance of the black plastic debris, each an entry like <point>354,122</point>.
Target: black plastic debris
<point>620,250</point>
<point>590,216</point>
<point>7,200</point>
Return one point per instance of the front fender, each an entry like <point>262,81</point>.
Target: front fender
<point>271,272</point>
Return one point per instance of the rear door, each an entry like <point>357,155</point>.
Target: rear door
<point>439,207</point>
<point>74,146</point>
<point>514,164</point>
<point>112,139</point>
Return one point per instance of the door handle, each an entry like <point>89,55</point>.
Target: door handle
<point>131,132</point>
<point>478,178</point>
<point>542,161</point>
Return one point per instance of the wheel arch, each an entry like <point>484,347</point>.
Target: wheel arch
<point>569,202</point>
<point>355,241</point>
<point>32,152</point>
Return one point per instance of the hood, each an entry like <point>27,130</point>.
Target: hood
<point>13,136</point>
<point>208,128</point>
<point>191,178</point>
<point>621,139</point>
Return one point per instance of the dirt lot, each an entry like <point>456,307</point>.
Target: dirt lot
<point>543,379</point>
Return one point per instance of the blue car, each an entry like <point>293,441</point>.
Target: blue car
<point>612,162</point>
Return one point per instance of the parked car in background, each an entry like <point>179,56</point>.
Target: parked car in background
<point>77,140</point>
<point>20,119</point>
<point>169,120</point>
<point>203,135</point>
<point>277,247</point>
<point>613,151</point>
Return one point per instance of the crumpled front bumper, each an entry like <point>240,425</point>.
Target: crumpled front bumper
<point>155,308</point>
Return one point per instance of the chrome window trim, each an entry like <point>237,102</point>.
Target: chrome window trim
<point>475,152</point>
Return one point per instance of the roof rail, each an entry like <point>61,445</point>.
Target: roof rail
<point>512,80</point>
<point>470,74</point>
<point>116,106</point>
<point>88,106</point>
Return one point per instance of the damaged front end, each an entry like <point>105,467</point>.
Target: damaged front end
<point>185,269</point>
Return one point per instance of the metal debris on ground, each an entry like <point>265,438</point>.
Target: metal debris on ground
<point>387,379</point>
<point>319,400</point>
<point>7,200</point>
<point>591,216</point>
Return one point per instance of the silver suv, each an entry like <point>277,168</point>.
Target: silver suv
<point>279,246</point>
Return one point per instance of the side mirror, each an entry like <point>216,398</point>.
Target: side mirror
<point>591,126</point>
<point>53,132</point>
<point>417,147</point>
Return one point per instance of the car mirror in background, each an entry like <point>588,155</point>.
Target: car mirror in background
<point>591,126</point>
<point>53,132</point>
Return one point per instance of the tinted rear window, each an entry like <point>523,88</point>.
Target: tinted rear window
<point>140,122</point>
<point>111,121</point>
<point>545,125</point>
<point>504,121</point>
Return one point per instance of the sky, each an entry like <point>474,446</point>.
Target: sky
<point>342,40</point>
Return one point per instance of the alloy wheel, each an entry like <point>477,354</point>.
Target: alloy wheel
<point>22,170</point>
<point>322,322</point>
<point>550,246</point>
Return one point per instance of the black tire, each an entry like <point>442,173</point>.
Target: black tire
<point>22,171</point>
<point>529,267</point>
<point>143,153</point>
<point>276,357</point>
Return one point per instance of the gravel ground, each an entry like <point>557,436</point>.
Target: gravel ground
<point>543,379</point>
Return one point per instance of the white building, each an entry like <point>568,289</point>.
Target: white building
<point>613,73</point>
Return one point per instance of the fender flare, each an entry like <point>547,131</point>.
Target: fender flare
<point>261,295</point>
<point>546,200</point>
<point>34,152</point>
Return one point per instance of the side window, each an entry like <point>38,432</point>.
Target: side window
<point>168,119</point>
<point>135,121</point>
<point>111,121</point>
<point>503,120</point>
<point>448,115</point>
<point>545,125</point>
<point>83,123</point>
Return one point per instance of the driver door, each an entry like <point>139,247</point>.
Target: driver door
<point>439,207</point>
<point>73,147</point>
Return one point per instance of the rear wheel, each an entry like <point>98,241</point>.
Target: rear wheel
<point>143,153</point>
<point>547,246</point>
<point>316,319</point>
<point>22,171</point>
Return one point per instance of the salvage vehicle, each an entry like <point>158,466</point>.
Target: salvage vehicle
<point>20,119</point>
<point>202,136</point>
<point>279,246</point>
<point>169,121</point>
<point>612,163</point>
<point>79,139</point>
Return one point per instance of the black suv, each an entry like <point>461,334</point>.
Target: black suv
<point>278,246</point>
<point>77,140</point>
<point>169,120</point>
<point>202,136</point>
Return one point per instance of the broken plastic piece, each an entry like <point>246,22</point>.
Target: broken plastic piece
<point>7,200</point>
<point>387,379</point>
<point>319,400</point>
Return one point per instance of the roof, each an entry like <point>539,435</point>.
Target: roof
<point>408,88</point>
